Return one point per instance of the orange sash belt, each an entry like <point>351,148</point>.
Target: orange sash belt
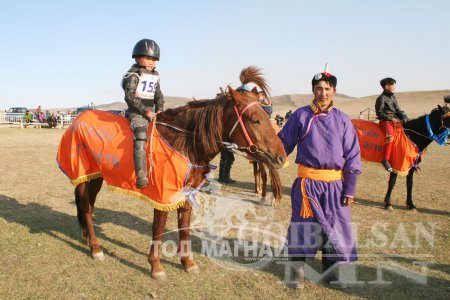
<point>314,174</point>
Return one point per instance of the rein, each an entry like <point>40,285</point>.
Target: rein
<point>440,139</point>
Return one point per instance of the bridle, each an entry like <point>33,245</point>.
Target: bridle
<point>252,148</point>
<point>438,138</point>
<point>443,117</point>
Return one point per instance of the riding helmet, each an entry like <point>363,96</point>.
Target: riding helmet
<point>146,47</point>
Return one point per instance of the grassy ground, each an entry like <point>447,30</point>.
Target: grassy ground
<point>42,254</point>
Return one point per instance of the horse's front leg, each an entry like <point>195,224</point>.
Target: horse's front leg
<point>184,222</point>
<point>154,257</point>
<point>387,198</point>
<point>409,186</point>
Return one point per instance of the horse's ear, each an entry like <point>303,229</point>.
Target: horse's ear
<point>255,90</point>
<point>234,95</point>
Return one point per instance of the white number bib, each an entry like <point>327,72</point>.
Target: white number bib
<point>147,86</point>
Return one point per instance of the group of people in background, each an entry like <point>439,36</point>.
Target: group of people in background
<point>52,119</point>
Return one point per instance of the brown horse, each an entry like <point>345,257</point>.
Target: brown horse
<point>198,130</point>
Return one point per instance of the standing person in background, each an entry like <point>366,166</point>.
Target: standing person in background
<point>52,121</point>
<point>328,158</point>
<point>266,103</point>
<point>144,98</point>
<point>388,111</point>
<point>40,114</point>
<point>28,117</point>
<point>288,114</point>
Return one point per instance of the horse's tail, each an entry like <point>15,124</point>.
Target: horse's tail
<point>78,203</point>
<point>275,181</point>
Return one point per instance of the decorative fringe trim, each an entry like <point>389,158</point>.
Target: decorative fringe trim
<point>405,173</point>
<point>156,205</point>
<point>85,178</point>
<point>306,210</point>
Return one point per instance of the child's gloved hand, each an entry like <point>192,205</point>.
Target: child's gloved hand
<point>150,115</point>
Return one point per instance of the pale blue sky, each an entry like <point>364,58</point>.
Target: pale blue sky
<point>70,53</point>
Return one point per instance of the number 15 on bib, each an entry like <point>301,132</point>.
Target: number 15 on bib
<point>147,86</point>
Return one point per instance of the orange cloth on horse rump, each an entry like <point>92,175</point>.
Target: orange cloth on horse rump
<point>371,140</point>
<point>100,144</point>
<point>275,126</point>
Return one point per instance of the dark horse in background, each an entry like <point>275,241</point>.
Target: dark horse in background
<point>418,132</point>
<point>198,130</point>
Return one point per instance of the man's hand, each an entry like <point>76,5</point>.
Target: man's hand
<point>348,201</point>
<point>149,114</point>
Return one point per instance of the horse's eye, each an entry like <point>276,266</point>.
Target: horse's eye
<point>254,121</point>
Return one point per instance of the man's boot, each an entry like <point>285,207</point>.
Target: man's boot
<point>332,278</point>
<point>227,178</point>
<point>222,171</point>
<point>386,165</point>
<point>140,163</point>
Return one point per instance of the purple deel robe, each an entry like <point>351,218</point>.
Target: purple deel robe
<point>324,141</point>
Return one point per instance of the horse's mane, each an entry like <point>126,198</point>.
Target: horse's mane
<point>202,119</point>
<point>419,126</point>
<point>254,74</point>
<point>202,122</point>
<point>418,122</point>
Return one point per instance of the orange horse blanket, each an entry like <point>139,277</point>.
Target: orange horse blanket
<point>371,140</point>
<point>100,144</point>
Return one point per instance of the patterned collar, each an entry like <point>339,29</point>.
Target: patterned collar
<point>317,109</point>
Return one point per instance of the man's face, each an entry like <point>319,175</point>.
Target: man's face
<point>324,93</point>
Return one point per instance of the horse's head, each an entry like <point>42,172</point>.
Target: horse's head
<point>445,114</point>
<point>247,125</point>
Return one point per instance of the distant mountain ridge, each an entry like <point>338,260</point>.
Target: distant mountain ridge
<point>412,102</point>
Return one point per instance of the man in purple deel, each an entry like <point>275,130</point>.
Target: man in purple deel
<point>328,158</point>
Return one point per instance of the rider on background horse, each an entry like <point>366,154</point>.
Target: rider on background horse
<point>388,111</point>
<point>144,98</point>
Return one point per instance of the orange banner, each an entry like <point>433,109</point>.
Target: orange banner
<point>371,139</point>
<point>100,144</point>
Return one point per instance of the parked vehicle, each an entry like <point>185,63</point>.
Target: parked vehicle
<point>15,114</point>
<point>120,112</point>
<point>80,109</point>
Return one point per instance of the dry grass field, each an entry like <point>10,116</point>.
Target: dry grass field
<point>403,254</point>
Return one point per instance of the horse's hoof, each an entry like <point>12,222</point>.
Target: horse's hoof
<point>191,267</point>
<point>414,209</point>
<point>158,276</point>
<point>389,207</point>
<point>193,270</point>
<point>98,256</point>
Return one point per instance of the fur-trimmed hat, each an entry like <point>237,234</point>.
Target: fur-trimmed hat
<point>324,76</point>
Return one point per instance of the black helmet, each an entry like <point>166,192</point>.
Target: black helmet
<point>146,47</point>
